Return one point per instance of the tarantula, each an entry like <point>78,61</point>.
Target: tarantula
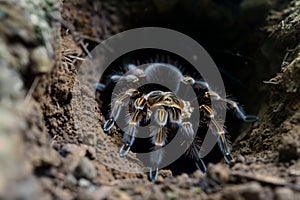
<point>168,110</point>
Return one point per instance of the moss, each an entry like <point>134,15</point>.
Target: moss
<point>171,195</point>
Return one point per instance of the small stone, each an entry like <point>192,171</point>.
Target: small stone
<point>159,179</point>
<point>41,60</point>
<point>248,191</point>
<point>86,169</point>
<point>102,192</point>
<point>198,174</point>
<point>85,194</point>
<point>50,157</point>
<point>118,194</point>
<point>84,182</point>
<point>165,173</point>
<point>75,149</point>
<point>28,189</point>
<point>253,191</point>
<point>240,166</point>
<point>20,57</point>
<point>287,150</point>
<point>77,126</point>
<point>183,181</point>
<point>284,194</point>
<point>240,159</point>
<point>70,181</point>
<point>219,173</point>
<point>70,163</point>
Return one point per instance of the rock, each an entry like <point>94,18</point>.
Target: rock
<point>84,183</point>
<point>57,192</point>
<point>198,174</point>
<point>10,86</point>
<point>70,163</point>
<point>284,194</point>
<point>102,192</point>
<point>86,169</point>
<point>85,194</point>
<point>70,181</point>
<point>165,173</point>
<point>219,173</point>
<point>29,189</point>
<point>41,60</point>
<point>118,194</point>
<point>287,150</point>
<point>249,191</point>
<point>19,57</point>
<point>240,159</point>
<point>75,149</point>
<point>253,191</point>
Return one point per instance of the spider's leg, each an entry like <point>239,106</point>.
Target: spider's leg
<point>222,142</point>
<point>133,75</point>
<point>158,140</point>
<point>175,115</point>
<point>99,87</point>
<point>213,95</point>
<point>232,104</point>
<point>116,108</point>
<point>161,117</point>
<point>128,139</point>
<point>198,161</point>
<point>126,78</point>
<point>136,71</point>
<point>191,81</point>
<point>187,128</point>
<point>129,135</point>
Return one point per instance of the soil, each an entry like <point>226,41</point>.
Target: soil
<point>52,142</point>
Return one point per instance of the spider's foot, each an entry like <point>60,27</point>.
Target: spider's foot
<point>250,118</point>
<point>153,174</point>
<point>108,124</point>
<point>201,166</point>
<point>124,150</point>
<point>228,158</point>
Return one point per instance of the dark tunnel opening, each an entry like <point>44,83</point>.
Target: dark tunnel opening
<point>233,36</point>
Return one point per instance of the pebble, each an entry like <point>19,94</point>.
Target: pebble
<point>165,173</point>
<point>248,191</point>
<point>240,159</point>
<point>70,181</point>
<point>75,149</point>
<point>84,182</point>
<point>284,194</point>
<point>86,169</point>
<point>219,173</point>
<point>41,60</point>
<point>287,150</point>
<point>120,195</point>
<point>20,57</point>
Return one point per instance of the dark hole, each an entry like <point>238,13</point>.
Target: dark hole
<point>233,41</point>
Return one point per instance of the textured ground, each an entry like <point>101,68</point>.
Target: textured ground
<point>46,151</point>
